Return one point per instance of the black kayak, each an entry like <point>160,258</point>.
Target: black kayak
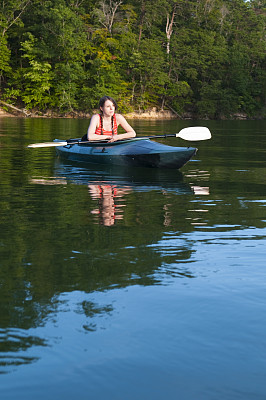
<point>137,152</point>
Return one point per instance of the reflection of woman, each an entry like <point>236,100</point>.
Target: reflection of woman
<point>105,124</point>
<point>108,210</point>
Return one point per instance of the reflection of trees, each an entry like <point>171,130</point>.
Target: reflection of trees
<point>50,244</point>
<point>91,309</point>
<point>12,343</point>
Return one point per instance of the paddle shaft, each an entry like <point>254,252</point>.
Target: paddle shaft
<point>135,138</point>
<point>106,141</point>
<point>190,134</point>
<point>167,135</point>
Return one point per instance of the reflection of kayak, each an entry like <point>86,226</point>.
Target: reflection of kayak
<point>135,179</point>
<point>132,152</point>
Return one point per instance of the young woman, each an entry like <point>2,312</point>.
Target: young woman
<point>104,125</point>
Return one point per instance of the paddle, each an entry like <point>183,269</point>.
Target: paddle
<point>191,134</point>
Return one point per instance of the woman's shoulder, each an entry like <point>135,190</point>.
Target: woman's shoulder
<point>119,117</point>
<point>95,116</point>
<point>94,122</point>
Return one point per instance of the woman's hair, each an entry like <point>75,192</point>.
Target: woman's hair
<point>104,99</point>
<point>101,104</point>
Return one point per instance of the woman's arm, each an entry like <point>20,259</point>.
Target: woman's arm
<point>130,133</point>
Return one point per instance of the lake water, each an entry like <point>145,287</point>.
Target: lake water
<point>133,284</point>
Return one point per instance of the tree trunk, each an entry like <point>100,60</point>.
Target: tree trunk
<point>169,29</point>
<point>25,112</point>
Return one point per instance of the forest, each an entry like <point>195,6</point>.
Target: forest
<point>197,58</point>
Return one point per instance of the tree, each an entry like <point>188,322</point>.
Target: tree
<point>10,14</point>
<point>4,58</point>
<point>206,57</point>
<point>36,78</point>
<point>107,13</point>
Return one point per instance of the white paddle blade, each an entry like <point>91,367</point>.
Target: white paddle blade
<point>48,144</point>
<point>194,133</point>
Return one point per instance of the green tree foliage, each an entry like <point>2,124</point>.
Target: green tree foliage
<point>203,57</point>
<point>4,58</point>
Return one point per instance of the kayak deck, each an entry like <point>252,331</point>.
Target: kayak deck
<point>131,152</point>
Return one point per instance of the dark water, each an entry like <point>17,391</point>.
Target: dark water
<point>133,284</point>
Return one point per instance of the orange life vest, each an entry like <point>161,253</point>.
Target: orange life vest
<point>101,131</point>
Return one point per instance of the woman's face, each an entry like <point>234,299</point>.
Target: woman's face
<point>108,108</point>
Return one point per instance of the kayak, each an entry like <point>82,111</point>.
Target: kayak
<point>137,152</point>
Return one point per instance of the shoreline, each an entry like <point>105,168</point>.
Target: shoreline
<point>5,114</point>
<point>149,114</point>
<point>152,114</point>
